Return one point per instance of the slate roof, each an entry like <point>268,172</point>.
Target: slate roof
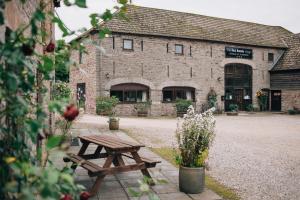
<point>158,22</point>
<point>291,58</point>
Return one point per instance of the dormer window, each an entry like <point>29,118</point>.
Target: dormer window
<point>179,49</point>
<point>128,44</point>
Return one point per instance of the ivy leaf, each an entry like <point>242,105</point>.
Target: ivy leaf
<point>107,15</point>
<point>39,15</point>
<point>67,3</point>
<point>94,19</point>
<point>48,65</point>
<point>53,141</point>
<point>81,3</point>
<point>1,18</point>
<point>60,25</point>
<point>103,32</point>
<point>123,2</point>
<point>12,81</point>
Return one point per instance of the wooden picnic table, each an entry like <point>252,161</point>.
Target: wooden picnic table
<point>112,149</point>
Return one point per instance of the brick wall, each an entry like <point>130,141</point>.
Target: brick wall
<point>290,99</point>
<point>150,67</point>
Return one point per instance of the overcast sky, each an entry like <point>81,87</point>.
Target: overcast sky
<point>285,13</point>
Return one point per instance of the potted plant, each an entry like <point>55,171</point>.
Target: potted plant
<point>182,106</point>
<point>194,137</point>
<point>113,122</point>
<point>142,108</point>
<point>250,108</point>
<point>105,105</point>
<point>233,110</point>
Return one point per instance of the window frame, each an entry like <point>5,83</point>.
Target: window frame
<point>270,55</point>
<point>175,90</point>
<point>127,49</point>
<point>182,49</point>
<point>130,90</point>
<point>80,57</point>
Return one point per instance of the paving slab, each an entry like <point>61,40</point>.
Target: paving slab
<point>116,187</point>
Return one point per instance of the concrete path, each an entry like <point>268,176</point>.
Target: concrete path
<point>256,154</point>
<point>115,187</point>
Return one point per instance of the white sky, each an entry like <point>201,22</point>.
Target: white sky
<point>285,13</point>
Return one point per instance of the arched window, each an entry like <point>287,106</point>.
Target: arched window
<point>171,94</point>
<point>130,92</point>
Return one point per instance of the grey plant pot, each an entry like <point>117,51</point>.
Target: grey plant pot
<point>191,180</point>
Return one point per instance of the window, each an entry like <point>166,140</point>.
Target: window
<point>130,92</point>
<point>113,42</point>
<point>190,50</point>
<point>80,57</point>
<point>179,49</point>
<point>167,47</point>
<point>142,45</point>
<point>270,57</point>
<point>127,44</point>
<point>171,94</point>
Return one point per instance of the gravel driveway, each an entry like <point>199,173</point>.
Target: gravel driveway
<point>257,154</point>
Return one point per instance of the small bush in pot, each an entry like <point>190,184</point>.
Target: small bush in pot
<point>182,106</point>
<point>234,109</point>
<point>105,105</point>
<point>142,108</point>
<point>194,137</point>
<point>113,122</point>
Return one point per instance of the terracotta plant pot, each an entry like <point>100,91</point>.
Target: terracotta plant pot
<point>232,113</point>
<point>191,180</point>
<point>113,124</point>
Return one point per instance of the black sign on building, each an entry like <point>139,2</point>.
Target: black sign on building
<point>233,52</point>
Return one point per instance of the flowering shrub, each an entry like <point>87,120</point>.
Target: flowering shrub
<point>194,137</point>
<point>262,99</point>
<point>105,105</point>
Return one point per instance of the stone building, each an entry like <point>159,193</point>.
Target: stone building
<point>160,55</point>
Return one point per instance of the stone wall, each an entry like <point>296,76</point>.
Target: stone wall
<point>290,99</point>
<point>202,68</point>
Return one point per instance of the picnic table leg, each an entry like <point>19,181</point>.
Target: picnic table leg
<point>145,171</point>
<point>118,160</point>
<point>80,153</point>
<point>100,178</point>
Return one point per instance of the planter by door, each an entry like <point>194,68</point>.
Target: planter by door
<point>180,114</point>
<point>113,124</point>
<point>191,180</point>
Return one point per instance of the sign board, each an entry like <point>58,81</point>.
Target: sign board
<point>233,52</point>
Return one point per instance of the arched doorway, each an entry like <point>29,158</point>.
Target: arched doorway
<point>238,85</point>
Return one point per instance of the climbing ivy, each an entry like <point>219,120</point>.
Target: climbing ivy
<point>26,172</point>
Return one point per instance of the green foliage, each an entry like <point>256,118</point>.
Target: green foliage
<point>293,111</point>
<point>105,105</point>
<point>62,61</point>
<point>233,108</point>
<point>23,115</point>
<point>212,99</point>
<point>61,91</point>
<point>182,105</point>
<point>250,108</point>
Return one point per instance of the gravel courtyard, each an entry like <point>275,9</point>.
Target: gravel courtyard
<point>256,154</point>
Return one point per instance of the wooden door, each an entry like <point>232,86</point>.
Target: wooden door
<point>276,100</point>
<point>239,97</point>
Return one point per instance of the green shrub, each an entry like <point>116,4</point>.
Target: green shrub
<point>182,105</point>
<point>250,108</point>
<point>61,91</point>
<point>105,105</point>
<point>292,112</point>
<point>233,107</point>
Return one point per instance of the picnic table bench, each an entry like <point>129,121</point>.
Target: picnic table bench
<point>114,151</point>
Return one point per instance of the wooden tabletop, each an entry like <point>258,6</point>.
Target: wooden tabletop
<point>110,142</point>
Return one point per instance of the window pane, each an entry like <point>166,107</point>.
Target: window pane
<point>130,96</point>
<point>180,94</point>
<point>178,49</point>
<point>118,94</point>
<point>168,96</point>
<point>270,57</point>
<point>127,44</point>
